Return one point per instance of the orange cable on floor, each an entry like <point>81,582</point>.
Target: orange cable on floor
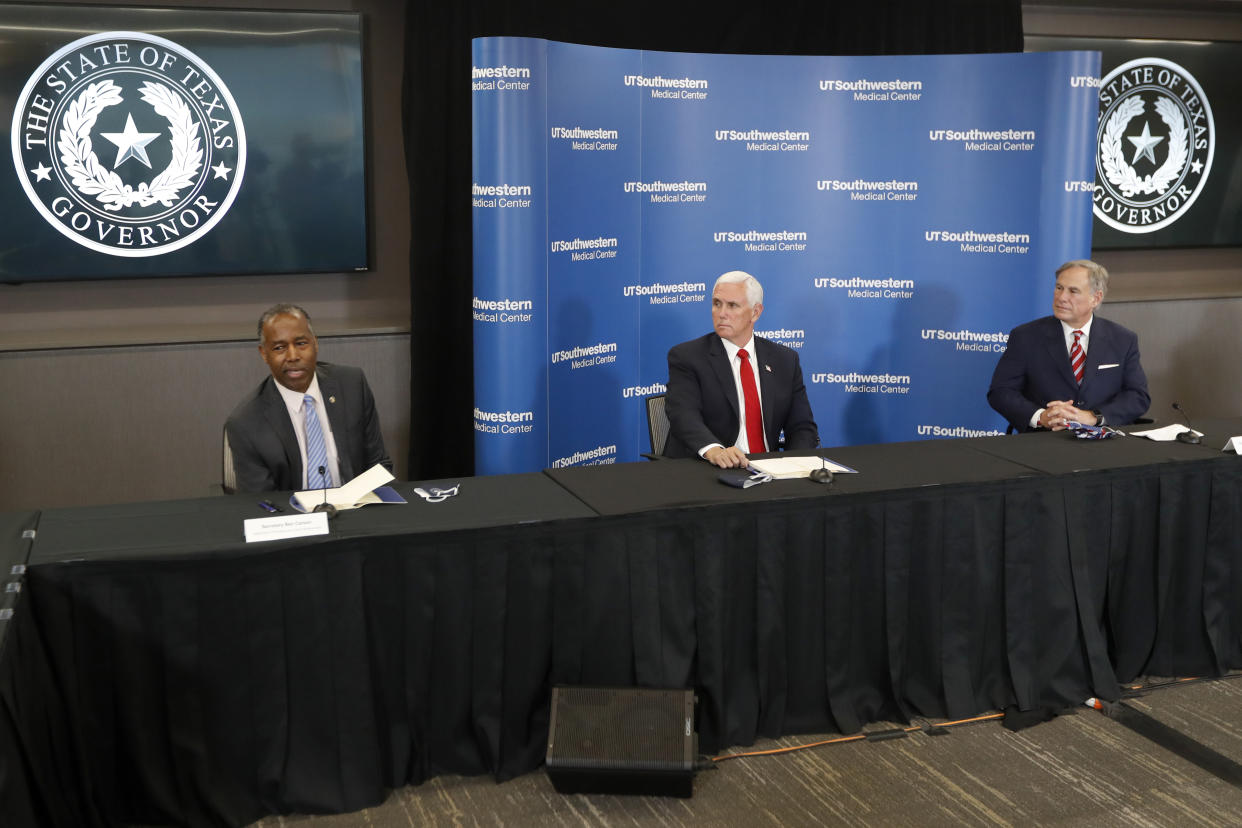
<point>854,738</point>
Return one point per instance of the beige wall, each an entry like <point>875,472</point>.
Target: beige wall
<point>115,391</point>
<point>127,423</point>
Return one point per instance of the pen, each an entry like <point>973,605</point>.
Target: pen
<point>269,506</point>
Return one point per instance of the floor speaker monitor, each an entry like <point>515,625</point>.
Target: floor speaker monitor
<point>622,740</point>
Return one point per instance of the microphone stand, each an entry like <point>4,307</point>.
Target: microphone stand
<point>323,484</point>
<point>1190,438</point>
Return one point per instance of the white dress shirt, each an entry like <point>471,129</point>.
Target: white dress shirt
<point>1068,331</point>
<point>293,401</point>
<point>735,363</point>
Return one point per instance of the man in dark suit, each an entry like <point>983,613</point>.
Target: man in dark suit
<point>276,428</point>
<point>731,393</point>
<point>1072,366</point>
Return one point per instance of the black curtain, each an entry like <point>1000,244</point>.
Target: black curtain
<point>436,113</point>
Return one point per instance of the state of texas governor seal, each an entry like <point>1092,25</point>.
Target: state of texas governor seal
<point>1155,144</point>
<point>128,144</point>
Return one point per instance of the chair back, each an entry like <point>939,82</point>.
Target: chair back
<point>228,475</point>
<point>657,423</point>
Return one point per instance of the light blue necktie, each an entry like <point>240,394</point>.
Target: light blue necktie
<point>316,449</point>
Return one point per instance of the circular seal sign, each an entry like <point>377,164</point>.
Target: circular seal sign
<point>128,144</point>
<point>1154,145</point>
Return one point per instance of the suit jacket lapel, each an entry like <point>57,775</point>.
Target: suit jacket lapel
<point>1054,341</point>
<point>1096,351</point>
<point>767,384</point>
<point>277,415</point>
<point>334,402</point>
<point>719,359</point>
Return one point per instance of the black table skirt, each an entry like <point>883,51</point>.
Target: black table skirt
<point>215,689</point>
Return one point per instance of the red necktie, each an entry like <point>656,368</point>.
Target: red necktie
<point>1078,359</point>
<point>754,415</point>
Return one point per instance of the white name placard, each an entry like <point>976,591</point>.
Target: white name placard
<point>286,526</point>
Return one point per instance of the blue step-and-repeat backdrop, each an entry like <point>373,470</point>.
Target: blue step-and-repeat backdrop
<point>902,213</point>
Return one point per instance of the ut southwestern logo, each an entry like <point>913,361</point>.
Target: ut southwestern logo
<point>956,431</point>
<point>129,144</point>
<point>1156,139</point>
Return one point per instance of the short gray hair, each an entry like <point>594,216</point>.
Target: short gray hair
<point>754,290</point>
<point>1097,276</point>
<point>283,309</point>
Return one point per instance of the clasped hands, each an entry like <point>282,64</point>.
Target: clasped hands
<point>1060,412</point>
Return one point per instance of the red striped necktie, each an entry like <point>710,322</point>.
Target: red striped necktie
<point>1078,357</point>
<point>754,414</point>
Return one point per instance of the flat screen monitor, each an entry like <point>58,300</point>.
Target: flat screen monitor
<point>177,142</point>
<point>1168,141</point>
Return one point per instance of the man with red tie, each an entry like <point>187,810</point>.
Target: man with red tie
<point>731,393</point>
<point>1072,366</point>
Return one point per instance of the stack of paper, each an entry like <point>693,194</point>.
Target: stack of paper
<point>1165,434</point>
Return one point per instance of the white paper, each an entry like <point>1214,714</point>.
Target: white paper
<point>1234,445</point>
<point>784,468</point>
<point>1164,434</point>
<point>286,526</point>
<point>353,494</point>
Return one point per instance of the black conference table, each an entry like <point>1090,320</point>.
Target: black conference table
<point>157,669</point>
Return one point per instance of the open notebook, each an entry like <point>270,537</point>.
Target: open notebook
<point>783,468</point>
<point>366,488</point>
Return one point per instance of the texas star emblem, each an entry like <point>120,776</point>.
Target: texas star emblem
<point>1156,139</point>
<point>128,144</point>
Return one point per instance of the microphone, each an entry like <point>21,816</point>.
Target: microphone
<point>1187,437</point>
<point>325,506</point>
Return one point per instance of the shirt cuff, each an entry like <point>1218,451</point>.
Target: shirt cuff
<point>1035,417</point>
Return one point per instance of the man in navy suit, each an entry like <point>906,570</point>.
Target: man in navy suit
<point>1072,366</point>
<point>708,389</point>
<point>267,431</point>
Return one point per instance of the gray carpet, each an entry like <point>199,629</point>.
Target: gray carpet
<point>1081,769</point>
